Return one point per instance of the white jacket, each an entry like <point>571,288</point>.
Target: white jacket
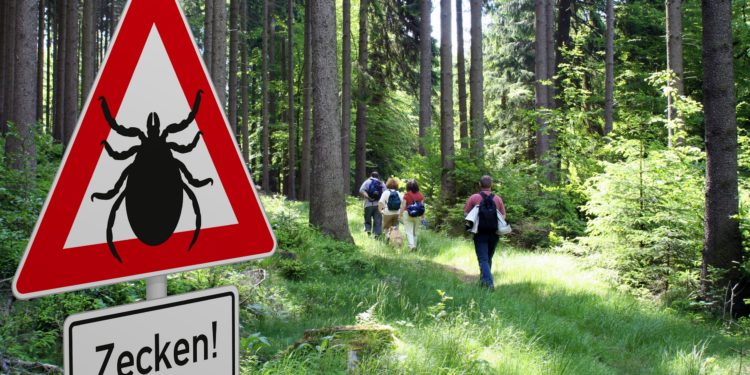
<point>502,226</point>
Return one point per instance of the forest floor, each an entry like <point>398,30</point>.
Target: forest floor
<point>549,314</point>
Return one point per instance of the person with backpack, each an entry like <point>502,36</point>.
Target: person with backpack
<point>413,210</point>
<point>486,237</point>
<point>371,190</point>
<point>390,204</point>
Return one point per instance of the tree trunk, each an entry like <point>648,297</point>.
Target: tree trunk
<point>564,42</point>
<point>477,79</point>
<point>675,64</point>
<point>327,205</point>
<point>292,179</point>
<point>462,111</point>
<point>59,86</point>
<point>346,93</point>
<point>244,83</point>
<point>233,50</point>
<point>88,47</point>
<point>219,63</point>
<point>362,97</point>
<point>306,109</point>
<point>265,143</point>
<point>208,39</point>
<point>9,64</point>
<point>3,86</point>
<point>542,143</point>
<point>447,186</point>
<point>40,63</point>
<point>20,146</point>
<point>425,73</point>
<point>48,73</point>
<point>722,244</point>
<point>609,90</point>
<point>71,69</point>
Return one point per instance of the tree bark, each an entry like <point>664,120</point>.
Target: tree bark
<point>233,50</point>
<point>306,109</point>
<point>425,73</point>
<point>40,63</point>
<point>362,98</point>
<point>3,86</point>
<point>346,93</point>
<point>59,86</point>
<point>722,244</point>
<point>462,110</point>
<point>219,63</point>
<point>243,82</point>
<point>20,146</point>
<point>48,73</point>
<point>292,179</point>
<point>447,186</point>
<point>88,46</point>
<point>328,204</point>
<point>542,144</point>
<point>564,42</point>
<point>266,176</point>
<point>71,69</point>
<point>609,90</point>
<point>9,64</point>
<point>675,64</point>
<point>477,79</point>
<point>208,39</point>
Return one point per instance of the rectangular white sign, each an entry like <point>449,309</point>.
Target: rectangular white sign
<point>193,333</point>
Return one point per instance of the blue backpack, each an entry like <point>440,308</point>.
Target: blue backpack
<point>394,202</point>
<point>375,189</point>
<point>415,209</point>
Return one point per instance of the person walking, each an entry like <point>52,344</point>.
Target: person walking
<point>412,199</point>
<point>486,237</point>
<point>390,204</point>
<point>371,190</point>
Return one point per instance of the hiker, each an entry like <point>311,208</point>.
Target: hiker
<point>412,207</point>
<point>371,190</point>
<point>486,237</point>
<point>390,204</point>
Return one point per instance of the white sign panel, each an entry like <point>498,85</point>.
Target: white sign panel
<point>193,333</point>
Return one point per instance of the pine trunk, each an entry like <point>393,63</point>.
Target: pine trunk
<point>243,83</point>
<point>346,93</point>
<point>447,187</point>
<point>219,54</point>
<point>540,74</point>
<point>609,89</point>
<point>88,47</point>
<point>328,204</point>
<point>722,244</point>
<point>20,146</point>
<point>306,109</point>
<point>3,34</point>
<point>233,50</point>
<point>462,110</point>
<point>266,176</point>
<point>9,63</point>
<point>564,42</point>
<point>40,62</point>
<point>208,39</point>
<point>675,64</point>
<point>425,73</point>
<point>71,69</point>
<point>477,80</point>
<point>59,86</point>
<point>292,169</point>
<point>361,141</point>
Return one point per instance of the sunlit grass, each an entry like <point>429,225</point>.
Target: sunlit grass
<point>548,315</point>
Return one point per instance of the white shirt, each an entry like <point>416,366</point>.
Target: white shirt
<point>384,200</point>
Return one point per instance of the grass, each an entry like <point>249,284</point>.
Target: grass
<point>548,315</point>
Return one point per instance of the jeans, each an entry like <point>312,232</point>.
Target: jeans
<point>484,245</point>
<point>373,220</point>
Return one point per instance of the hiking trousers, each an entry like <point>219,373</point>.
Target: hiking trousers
<point>410,227</point>
<point>373,220</point>
<point>484,245</point>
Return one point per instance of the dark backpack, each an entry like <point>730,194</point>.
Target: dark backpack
<point>415,209</point>
<point>487,214</point>
<point>375,189</point>
<point>394,202</point>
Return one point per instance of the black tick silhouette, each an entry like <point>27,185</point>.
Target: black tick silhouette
<point>154,183</point>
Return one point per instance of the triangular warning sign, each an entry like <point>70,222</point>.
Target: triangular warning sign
<point>152,181</point>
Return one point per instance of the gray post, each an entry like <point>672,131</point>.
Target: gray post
<point>156,287</point>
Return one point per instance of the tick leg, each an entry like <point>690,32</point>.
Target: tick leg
<point>197,210</point>
<point>186,148</point>
<point>110,224</point>
<point>120,155</point>
<point>121,130</point>
<point>110,194</point>
<point>180,126</point>
<point>191,180</point>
